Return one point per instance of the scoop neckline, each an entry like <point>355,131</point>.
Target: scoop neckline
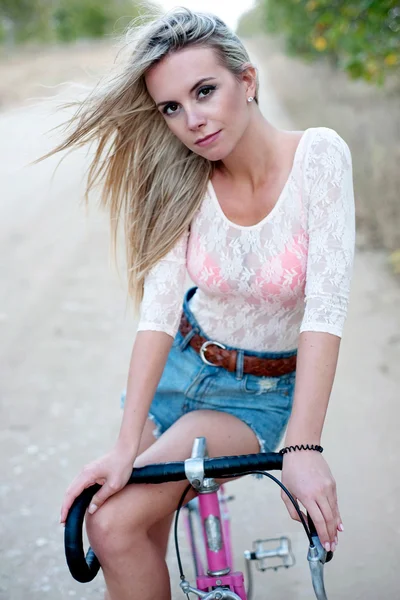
<point>277,203</point>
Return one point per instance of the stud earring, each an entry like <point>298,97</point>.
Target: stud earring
<point>250,99</point>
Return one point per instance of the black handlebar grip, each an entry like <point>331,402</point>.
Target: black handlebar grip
<point>229,465</point>
<point>158,473</point>
<point>82,568</point>
<point>313,532</point>
<point>213,467</point>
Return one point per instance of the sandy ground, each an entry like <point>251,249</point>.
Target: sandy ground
<point>66,335</point>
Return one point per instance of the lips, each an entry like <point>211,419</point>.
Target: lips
<point>207,138</point>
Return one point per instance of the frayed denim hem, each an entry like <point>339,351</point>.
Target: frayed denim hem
<point>261,442</point>
<point>157,431</point>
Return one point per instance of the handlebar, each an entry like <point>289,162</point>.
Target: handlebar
<point>84,569</point>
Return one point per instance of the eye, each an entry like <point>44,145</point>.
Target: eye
<point>167,106</point>
<point>207,88</point>
<point>173,106</point>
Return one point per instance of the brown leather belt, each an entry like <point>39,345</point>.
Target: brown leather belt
<point>219,356</point>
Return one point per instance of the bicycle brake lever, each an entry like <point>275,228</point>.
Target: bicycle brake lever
<point>323,554</point>
<point>317,556</point>
<point>317,570</point>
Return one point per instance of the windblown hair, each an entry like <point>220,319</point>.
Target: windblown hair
<point>152,184</point>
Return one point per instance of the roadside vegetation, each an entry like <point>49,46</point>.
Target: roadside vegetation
<point>360,37</point>
<point>50,21</point>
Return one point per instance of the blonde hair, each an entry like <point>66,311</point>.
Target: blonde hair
<point>152,183</point>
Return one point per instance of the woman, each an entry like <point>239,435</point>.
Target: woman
<point>263,219</point>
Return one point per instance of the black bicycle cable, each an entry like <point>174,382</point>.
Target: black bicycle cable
<point>293,501</point>
<point>178,554</point>
<point>266,474</point>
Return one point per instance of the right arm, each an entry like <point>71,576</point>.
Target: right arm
<point>149,355</point>
<point>159,320</point>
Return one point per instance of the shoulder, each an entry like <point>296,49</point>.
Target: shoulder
<point>326,140</point>
<point>327,155</point>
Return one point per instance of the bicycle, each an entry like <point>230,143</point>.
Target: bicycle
<point>215,580</point>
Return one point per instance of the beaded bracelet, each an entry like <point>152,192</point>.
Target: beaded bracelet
<point>301,447</point>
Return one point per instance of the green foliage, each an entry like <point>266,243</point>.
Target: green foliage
<point>76,19</point>
<point>67,20</point>
<point>362,37</point>
<point>22,20</point>
<point>252,22</point>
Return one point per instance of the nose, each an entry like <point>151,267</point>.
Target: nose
<point>195,119</point>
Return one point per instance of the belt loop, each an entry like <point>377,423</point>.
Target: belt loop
<point>239,364</point>
<point>187,338</point>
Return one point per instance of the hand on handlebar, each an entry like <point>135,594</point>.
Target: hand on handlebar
<point>111,471</point>
<point>309,479</point>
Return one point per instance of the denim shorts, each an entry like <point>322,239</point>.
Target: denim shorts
<point>188,384</point>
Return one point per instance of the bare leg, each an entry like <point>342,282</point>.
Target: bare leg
<point>160,532</point>
<point>133,563</point>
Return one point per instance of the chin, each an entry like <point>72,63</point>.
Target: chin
<point>213,154</point>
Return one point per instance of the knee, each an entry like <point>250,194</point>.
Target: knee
<point>115,527</point>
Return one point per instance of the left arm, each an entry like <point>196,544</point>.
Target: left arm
<point>306,473</point>
<point>316,366</point>
<point>329,270</point>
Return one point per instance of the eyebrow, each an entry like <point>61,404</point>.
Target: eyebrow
<point>192,90</point>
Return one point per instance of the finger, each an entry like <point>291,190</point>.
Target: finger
<point>83,481</point>
<point>340,526</point>
<point>328,515</point>
<point>291,509</point>
<point>332,499</point>
<point>319,521</point>
<point>107,490</point>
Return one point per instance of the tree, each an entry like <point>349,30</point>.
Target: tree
<point>361,37</point>
<point>67,20</point>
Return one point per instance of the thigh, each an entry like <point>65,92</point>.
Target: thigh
<point>263,403</point>
<point>159,533</point>
<point>142,506</point>
<point>148,438</point>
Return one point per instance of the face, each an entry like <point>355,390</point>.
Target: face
<point>198,97</point>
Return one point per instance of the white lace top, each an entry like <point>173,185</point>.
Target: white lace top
<point>259,286</point>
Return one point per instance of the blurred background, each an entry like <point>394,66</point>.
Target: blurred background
<point>66,326</point>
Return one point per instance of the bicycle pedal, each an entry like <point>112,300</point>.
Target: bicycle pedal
<point>268,555</point>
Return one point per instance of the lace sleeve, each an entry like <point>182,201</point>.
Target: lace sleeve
<point>331,231</point>
<point>161,305</point>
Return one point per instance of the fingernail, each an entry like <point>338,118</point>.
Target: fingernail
<point>327,546</point>
<point>333,547</point>
<point>92,508</point>
<point>341,528</point>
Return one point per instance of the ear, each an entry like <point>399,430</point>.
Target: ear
<point>249,78</point>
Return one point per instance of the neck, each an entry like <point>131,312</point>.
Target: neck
<point>255,155</point>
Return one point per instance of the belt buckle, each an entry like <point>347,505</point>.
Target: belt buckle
<point>203,349</point>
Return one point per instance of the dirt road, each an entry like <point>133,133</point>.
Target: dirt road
<point>66,335</point>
